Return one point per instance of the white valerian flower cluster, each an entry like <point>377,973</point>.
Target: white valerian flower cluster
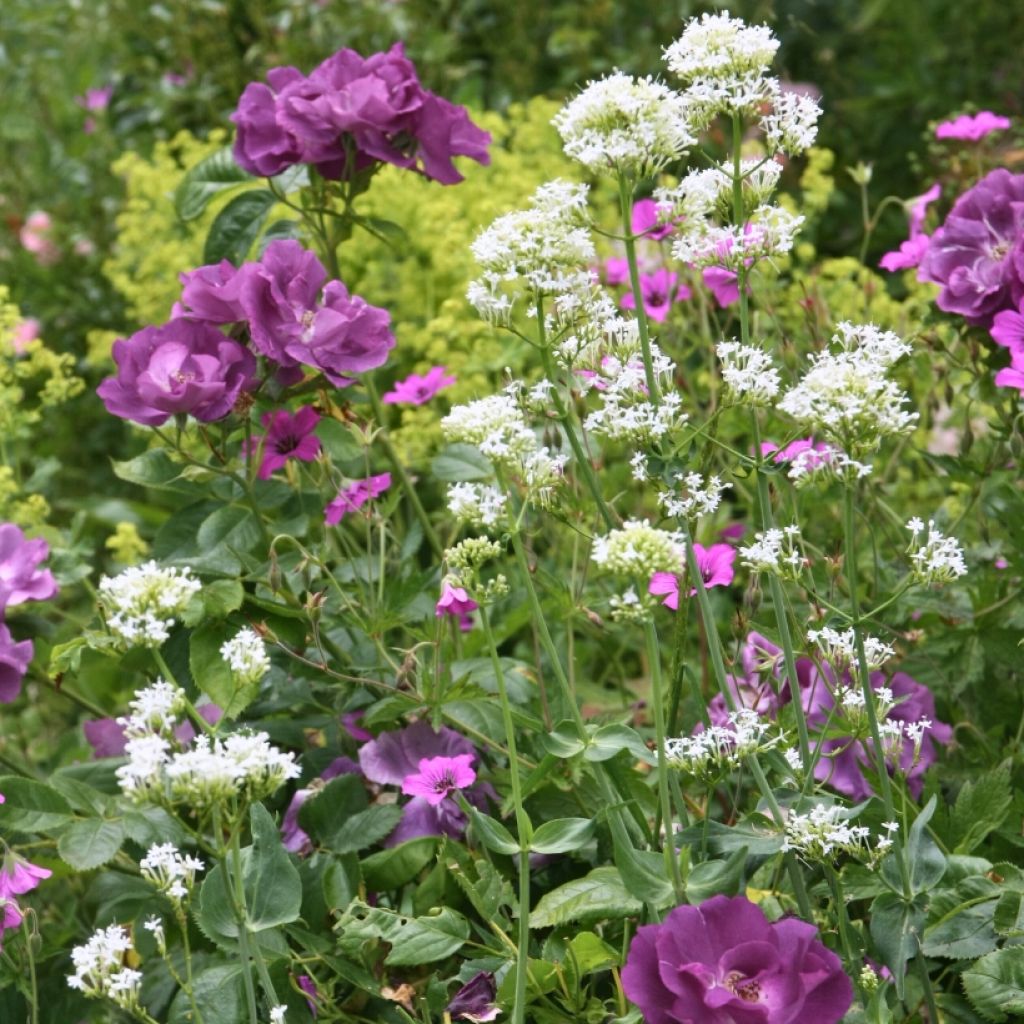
<point>695,497</point>
<point>825,461</point>
<point>748,373</point>
<point>769,231</point>
<point>709,191</point>
<point>172,872</point>
<point>775,551</point>
<point>934,558</point>
<point>143,602</point>
<point>100,971</point>
<point>480,505</point>
<point>825,834</point>
<point>545,250</point>
<point>277,1014</point>
<point>841,648</point>
<point>155,709</point>
<point>638,549</point>
<point>629,606</point>
<point>716,45</point>
<point>241,765</point>
<point>155,927</point>
<point>853,708</point>
<point>846,395</point>
<point>625,125</point>
<point>246,655</point>
<point>720,748</point>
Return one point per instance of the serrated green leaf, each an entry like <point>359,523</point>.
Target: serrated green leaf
<point>598,896</point>
<point>219,995</point>
<point>364,829</point>
<point>960,921</point>
<point>1008,919</point>
<point>31,806</point>
<point>237,226</point>
<point>413,940</point>
<point>89,843</point>
<point>981,807</point>
<point>562,835</point>
<point>461,462</point>
<point>995,984</point>
<point>212,175</point>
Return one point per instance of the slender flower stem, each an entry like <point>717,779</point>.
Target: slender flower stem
<point>626,205</point>
<point>523,827</point>
<point>33,985</point>
<point>668,845</point>
<point>187,950</point>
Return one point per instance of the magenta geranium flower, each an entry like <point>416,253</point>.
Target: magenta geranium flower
<point>646,221</point>
<point>21,579</point>
<point>723,284</point>
<point>977,255</point>
<point>415,390</point>
<point>723,963</point>
<point>355,496</point>
<point>288,437</point>
<point>181,367</point>
<point>438,777</point>
<point>18,876</point>
<point>454,601</point>
<point>972,129</point>
<point>616,271</point>
<point>96,99</point>
<point>808,453</point>
<point>716,568</point>
<point>1012,376</point>
<point>659,290</point>
<point>14,661</point>
<point>912,251</point>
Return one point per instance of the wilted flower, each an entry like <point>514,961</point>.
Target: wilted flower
<point>475,1000</point>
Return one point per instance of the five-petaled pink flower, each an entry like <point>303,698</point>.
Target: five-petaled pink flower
<point>18,876</point>
<point>355,496</point>
<point>911,252</point>
<point>454,601</point>
<point>723,284</point>
<point>972,129</point>
<point>415,390</point>
<point>659,291</point>
<point>716,569</point>
<point>288,437</point>
<point>438,777</point>
<point>646,221</point>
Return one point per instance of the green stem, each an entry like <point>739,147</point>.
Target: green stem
<point>234,868</point>
<point>33,984</point>
<point>523,827</point>
<point>658,700</point>
<point>626,205</point>
<point>197,1017</point>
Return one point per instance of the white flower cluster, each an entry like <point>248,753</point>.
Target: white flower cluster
<point>170,871</point>
<point>143,602</point>
<point>155,927</point>
<point>629,606</point>
<point>826,461</point>
<point>277,1014</point>
<point>480,505</point>
<point>246,655</point>
<point>853,708</point>
<point>846,395</point>
<point>824,834</point>
<point>100,971</point>
<point>240,765</point>
<point>696,497</point>
<point>591,329</point>
<point>769,231</point>
<point>720,748</point>
<point>709,191</point>
<point>749,375</point>
<point>621,124</point>
<point>775,551</point>
<point>792,124</point>
<point>543,250</point>
<point>717,45</point>
<point>155,709</point>
<point>638,549</point>
<point>935,558</point>
<point>841,648</point>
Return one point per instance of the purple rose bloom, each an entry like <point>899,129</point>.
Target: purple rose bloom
<point>21,579</point>
<point>723,963</point>
<point>394,756</point>
<point>262,145</point>
<point>181,367</point>
<point>977,256</point>
<point>14,659</point>
<point>214,292</point>
<point>295,840</point>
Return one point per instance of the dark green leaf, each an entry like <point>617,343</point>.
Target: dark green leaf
<point>219,994</point>
<point>237,226</point>
<point>273,889</point>
<point>714,877</point>
<point>598,896</point>
<point>212,673</point>
<point>89,843</point>
<point>153,468</point>
<point>31,806</point>
<point>232,527</point>
<point>392,868</point>
<point>895,927</point>
<point>490,832</point>
<point>413,940</point>
<point>206,179</point>
<point>995,984</point>
<point>461,462</point>
<point>562,835</point>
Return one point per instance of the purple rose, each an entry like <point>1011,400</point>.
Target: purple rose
<point>14,659</point>
<point>262,145</point>
<point>181,367</point>
<point>723,963</point>
<point>21,579</point>
<point>977,256</point>
<point>214,293</point>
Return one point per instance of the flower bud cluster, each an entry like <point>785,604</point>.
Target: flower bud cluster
<point>840,649</point>
<point>775,551</point>
<point>143,602</point>
<point>638,549</point>
<point>696,497</point>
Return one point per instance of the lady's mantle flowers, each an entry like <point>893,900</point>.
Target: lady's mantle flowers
<point>143,602</point>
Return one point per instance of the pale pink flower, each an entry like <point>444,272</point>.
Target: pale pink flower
<point>972,129</point>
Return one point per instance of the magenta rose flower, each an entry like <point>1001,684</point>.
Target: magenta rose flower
<point>262,145</point>
<point>723,963</point>
<point>181,367</point>
<point>214,292</point>
<point>977,256</point>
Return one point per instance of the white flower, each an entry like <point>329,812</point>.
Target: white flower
<point>155,709</point>
<point>638,549</point>
<point>696,497</point>
<point>792,125</point>
<point>639,463</point>
<point>769,231</point>
<point>277,1014</point>
<point>718,46</point>
<point>774,551</point>
<point>143,602</point>
<point>709,191</point>
<point>825,833</point>
<point>935,558</point>
<point>841,648</point>
<point>99,970</point>
<point>477,504</point>
<point>142,776</point>
<point>748,373</point>
<point>496,426</point>
<point>623,124</point>
<point>718,748</point>
<point>246,655</point>
<point>155,927</point>
<point>171,872</point>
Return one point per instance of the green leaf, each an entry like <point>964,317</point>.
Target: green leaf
<point>895,926</point>
<point>413,940</point>
<point>960,921</point>
<point>609,740</point>
<point>31,806</point>
<point>564,742</point>
<point>643,871</point>
<point>927,862</point>
<point>273,890</point>
<point>89,843</point>
<point>364,829</point>
<point>222,597</point>
<point>598,896</point>
<point>212,175</point>
<point>237,226</point>
<point>393,234</point>
<point>714,877</point>
<point>211,672</point>
<point>981,807</point>
<point>390,869</point>
<point>461,462</point>
<point>587,953</point>
<point>219,994</point>
<point>232,527</point>
<point>995,984</point>
<point>490,831</point>
<point>758,834</point>
<point>153,468</point>
<point>339,441</point>
<point>562,835</point>
<point>1008,918</point>
<point>489,893</point>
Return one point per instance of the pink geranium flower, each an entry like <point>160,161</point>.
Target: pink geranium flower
<point>723,284</point>
<point>659,290</point>
<point>1012,376</point>
<point>18,876</point>
<point>439,777</point>
<point>646,221</point>
<point>288,437</point>
<point>972,129</point>
<point>1008,330</point>
<point>716,569</point>
<point>616,271</point>
<point>454,601</point>
<point>415,390</point>
<point>355,496</point>
<point>912,251</point>
<point>96,99</point>
<point>35,238</point>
